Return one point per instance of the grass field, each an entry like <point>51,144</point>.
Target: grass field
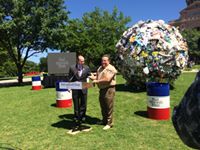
<point>30,120</point>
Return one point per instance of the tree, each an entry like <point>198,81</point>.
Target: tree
<point>95,34</point>
<point>30,66</point>
<point>3,56</point>
<point>43,64</point>
<point>193,37</point>
<point>7,67</point>
<point>2,60</point>
<point>31,27</point>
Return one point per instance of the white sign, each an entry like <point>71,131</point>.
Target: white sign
<point>71,85</point>
<point>158,102</point>
<point>63,95</point>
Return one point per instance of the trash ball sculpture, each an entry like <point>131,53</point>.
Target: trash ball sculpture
<point>151,51</point>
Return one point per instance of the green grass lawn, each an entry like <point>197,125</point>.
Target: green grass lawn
<point>29,120</point>
<point>196,67</point>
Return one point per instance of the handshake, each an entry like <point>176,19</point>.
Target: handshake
<point>93,77</point>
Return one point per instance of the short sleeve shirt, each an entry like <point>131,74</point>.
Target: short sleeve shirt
<point>109,71</point>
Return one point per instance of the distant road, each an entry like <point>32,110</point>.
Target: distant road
<point>15,81</point>
<point>193,70</point>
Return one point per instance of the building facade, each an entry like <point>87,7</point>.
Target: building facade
<point>189,17</point>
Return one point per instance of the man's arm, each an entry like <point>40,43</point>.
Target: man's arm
<point>89,72</point>
<point>71,74</point>
<point>93,76</point>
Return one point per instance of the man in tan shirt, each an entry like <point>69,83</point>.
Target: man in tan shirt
<point>106,81</point>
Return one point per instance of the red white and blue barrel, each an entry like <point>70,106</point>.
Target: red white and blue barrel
<point>158,101</point>
<point>36,83</point>
<point>63,97</point>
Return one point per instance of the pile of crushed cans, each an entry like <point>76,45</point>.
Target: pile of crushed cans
<point>151,51</point>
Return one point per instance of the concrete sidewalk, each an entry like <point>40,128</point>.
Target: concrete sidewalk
<point>26,81</point>
<point>193,70</point>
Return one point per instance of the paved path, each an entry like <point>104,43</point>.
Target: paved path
<point>15,81</point>
<point>193,70</point>
<point>28,80</point>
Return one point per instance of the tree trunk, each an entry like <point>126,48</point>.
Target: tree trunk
<point>20,74</point>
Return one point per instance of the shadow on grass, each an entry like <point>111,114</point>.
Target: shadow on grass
<point>89,120</point>
<point>66,124</point>
<point>67,121</point>
<point>141,114</point>
<point>128,88</point>
<point>53,105</point>
<point>3,85</point>
<point>6,146</point>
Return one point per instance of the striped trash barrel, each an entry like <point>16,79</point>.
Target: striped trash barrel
<point>63,97</point>
<point>158,101</point>
<point>36,83</point>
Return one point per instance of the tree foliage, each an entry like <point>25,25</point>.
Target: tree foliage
<point>7,67</point>
<point>3,56</point>
<point>95,34</point>
<point>193,38</point>
<point>30,66</point>
<point>43,64</point>
<point>31,27</point>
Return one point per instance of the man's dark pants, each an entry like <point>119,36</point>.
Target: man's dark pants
<point>80,105</point>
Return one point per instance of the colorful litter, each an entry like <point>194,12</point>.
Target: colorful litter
<point>151,51</point>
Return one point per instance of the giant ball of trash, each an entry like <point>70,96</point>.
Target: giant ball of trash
<point>151,51</point>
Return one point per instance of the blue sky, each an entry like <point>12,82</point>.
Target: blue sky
<point>138,10</point>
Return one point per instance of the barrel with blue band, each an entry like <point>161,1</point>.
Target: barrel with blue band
<point>158,100</point>
<point>158,89</point>
<point>63,96</point>
<point>36,83</point>
<point>36,78</point>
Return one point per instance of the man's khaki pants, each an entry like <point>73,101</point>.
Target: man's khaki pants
<point>106,99</point>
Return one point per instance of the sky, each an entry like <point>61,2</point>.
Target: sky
<point>137,9</point>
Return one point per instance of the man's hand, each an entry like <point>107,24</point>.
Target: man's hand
<point>94,73</point>
<point>93,76</point>
<point>95,81</point>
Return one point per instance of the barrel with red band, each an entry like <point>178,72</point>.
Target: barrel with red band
<point>158,101</point>
<point>36,83</point>
<point>63,96</point>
